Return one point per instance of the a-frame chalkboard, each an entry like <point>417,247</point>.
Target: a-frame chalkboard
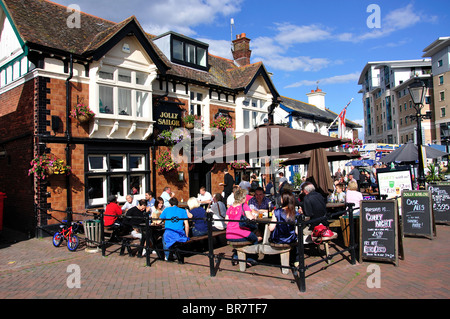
<point>417,213</point>
<point>380,238</point>
<point>440,194</point>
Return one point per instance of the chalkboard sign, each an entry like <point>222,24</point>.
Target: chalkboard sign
<point>379,236</point>
<point>417,215</point>
<point>440,194</point>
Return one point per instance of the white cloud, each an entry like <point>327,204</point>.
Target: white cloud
<point>291,34</point>
<point>338,79</point>
<point>159,16</point>
<point>396,20</point>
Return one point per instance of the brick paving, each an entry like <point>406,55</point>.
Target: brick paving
<point>34,269</point>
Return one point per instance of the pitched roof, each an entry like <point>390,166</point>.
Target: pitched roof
<point>41,23</point>
<point>310,111</point>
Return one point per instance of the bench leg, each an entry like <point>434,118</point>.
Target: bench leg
<point>242,264</point>
<point>284,257</point>
<point>327,252</point>
<point>122,248</point>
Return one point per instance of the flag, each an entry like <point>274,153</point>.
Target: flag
<point>341,123</point>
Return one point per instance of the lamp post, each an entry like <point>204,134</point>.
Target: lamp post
<point>417,91</point>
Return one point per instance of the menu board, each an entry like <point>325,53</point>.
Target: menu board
<point>392,182</point>
<point>417,216</point>
<point>379,238</point>
<point>440,194</point>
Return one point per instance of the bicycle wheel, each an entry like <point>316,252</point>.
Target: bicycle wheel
<point>72,243</point>
<point>57,239</point>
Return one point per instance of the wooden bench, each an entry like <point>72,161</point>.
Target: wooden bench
<point>126,244</point>
<point>318,241</point>
<point>191,240</point>
<point>243,248</point>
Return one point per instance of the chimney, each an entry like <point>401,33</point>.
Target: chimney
<point>241,50</point>
<point>317,98</point>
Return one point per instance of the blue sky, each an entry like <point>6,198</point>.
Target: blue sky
<point>300,42</point>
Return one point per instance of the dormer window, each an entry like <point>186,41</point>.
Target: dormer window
<point>183,50</point>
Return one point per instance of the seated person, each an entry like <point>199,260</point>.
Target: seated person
<point>156,210</point>
<point>354,196</point>
<point>219,212</point>
<point>234,232</point>
<point>313,205</point>
<point>204,198</point>
<point>340,194</point>
<point>135,216</point>
<point>112,212</point>
<point>175,231</point>
<point>131,202</point>
<point>230,199</point>
<point>284,233</point>
<point>259,201</point>
<point>196,211</point>
<point>150,200</point>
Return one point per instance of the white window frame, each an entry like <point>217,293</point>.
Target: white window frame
<point>257,112</point>
<point>117,83</point>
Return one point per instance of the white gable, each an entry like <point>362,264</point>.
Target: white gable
<point>9,43</point>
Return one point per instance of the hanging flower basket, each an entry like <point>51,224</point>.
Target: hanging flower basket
<point>222,123</point>
<point>82,113</point>
<point>46,165</point>
<point>191,120</point>
<point>239,164</point>
<point>165,164</point>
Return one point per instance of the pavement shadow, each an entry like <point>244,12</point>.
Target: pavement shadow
<point>10,237</point>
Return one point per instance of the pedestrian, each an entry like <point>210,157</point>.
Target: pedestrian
<point>228,182</point>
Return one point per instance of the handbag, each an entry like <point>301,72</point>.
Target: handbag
<point>321,231</point>
<point>245,222</point>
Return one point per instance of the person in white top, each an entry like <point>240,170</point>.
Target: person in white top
<point>219,212</point>
<point>131,202</point>
<point>204,198</point>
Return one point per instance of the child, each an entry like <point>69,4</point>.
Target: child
<point>340,194</point>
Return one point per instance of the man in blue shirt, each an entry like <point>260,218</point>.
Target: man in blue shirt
<point>150,200</point>
<point>259,201</point>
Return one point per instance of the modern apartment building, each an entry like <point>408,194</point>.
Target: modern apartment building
<point>388,105</point>
<point>439,52</point>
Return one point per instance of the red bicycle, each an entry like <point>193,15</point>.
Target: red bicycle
<point>69,233</point>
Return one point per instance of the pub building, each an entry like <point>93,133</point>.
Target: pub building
<point>140,87</point>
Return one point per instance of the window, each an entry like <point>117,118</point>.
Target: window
<point>441,80</point>
<point>189,52</point>
<point>253,113</point>
<point>116,174</point>
<point>442,96</point>
<point>196,104</point>
<point>123,92</point>
<point>442,111</point>
<point>440,63</point>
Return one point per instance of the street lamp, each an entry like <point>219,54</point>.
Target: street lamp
<point>417,91</point>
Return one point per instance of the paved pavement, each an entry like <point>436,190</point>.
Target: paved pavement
<point>34,269</point>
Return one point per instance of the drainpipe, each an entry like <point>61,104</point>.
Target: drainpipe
<point>69,139</point>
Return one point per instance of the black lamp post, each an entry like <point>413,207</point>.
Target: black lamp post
<point>417,91</point>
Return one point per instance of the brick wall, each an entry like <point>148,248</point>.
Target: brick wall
<point>16,136</point>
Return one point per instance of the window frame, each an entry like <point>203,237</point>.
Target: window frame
<point>117,86</point>
<point>127,173</point>
<point>185,43</point>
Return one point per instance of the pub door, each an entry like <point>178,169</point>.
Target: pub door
<point>200,176</point>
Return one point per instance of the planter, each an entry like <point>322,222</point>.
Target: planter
<point>83,118</point>
<point>50,171</point>
<point>189,125</point>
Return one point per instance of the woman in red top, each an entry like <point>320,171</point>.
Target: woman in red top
<point>112,211</point>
